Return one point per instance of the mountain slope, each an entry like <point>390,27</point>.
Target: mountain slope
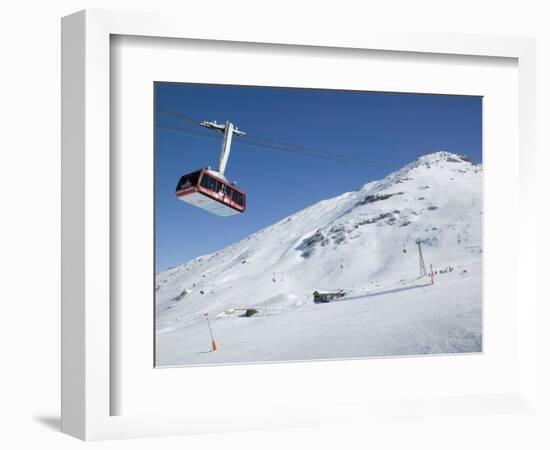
<point>362,242</point>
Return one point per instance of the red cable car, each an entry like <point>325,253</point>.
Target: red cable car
<point>209,190</point>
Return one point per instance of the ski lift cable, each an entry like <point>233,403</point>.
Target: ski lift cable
<point>295,146</point>
<point>190,132</point>
<point>262,145</point>
<point>265,146</point>
<point>300,150</point>
<point>178,115</point>
<point>264,140</point>
<point>266,143</point>
<point>212,136</point>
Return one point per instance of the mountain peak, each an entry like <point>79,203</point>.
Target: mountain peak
<point>445,160</point>
<point>443,156</point>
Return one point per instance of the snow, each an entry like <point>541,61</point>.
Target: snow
<point>362,242</point>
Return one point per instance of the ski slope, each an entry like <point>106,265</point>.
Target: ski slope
<point>362,242</point>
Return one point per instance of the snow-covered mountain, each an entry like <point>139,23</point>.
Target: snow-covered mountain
<point>363,242</point>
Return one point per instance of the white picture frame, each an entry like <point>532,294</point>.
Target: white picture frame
<point>87,325</point>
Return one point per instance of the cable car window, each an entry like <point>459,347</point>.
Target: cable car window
<point>229,192</point>
<point>238,198</point>
<point>204,180</point>
<point>188,180</point>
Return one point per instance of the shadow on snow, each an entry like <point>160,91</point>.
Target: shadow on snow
<point>387,291</point>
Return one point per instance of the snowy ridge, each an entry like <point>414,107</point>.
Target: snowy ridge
<point>361,241</point>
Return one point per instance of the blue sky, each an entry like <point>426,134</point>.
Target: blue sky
<point>383,130</point>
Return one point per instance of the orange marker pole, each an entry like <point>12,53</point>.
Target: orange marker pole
<point>214,346</point>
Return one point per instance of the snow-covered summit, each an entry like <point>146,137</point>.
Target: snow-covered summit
<point>443,160</point>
